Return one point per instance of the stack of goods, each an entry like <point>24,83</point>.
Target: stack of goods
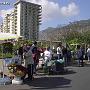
<point>19,72</point>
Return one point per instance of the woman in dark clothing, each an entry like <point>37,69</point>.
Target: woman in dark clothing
<point>79,54</point>
<point>64,51</point>
<point>35,54</point>
<point>20,52</point>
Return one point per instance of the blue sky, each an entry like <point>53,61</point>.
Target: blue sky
<point>55,12</point>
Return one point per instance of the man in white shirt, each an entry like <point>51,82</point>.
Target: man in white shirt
<point>59,51</point>
<point>88,53</point>
<point>47,55</point>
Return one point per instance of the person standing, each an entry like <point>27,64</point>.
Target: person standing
<point>69,56</point>
<point>79,54</point>
<point>59,51</point>
<point>35,54</point>
<point>64,53</point>
<point>29,63</point>
<point>88,53</point>
<point>20,52</point>
<point>47,55</point>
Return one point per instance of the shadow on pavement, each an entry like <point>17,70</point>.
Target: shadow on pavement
<point>49,82</point>
<point>85,65</point>
<point>69,71</point>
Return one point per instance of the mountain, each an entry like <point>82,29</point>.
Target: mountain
<point>62,31</point>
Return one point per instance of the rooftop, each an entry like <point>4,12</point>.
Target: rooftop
<point>19,1</point>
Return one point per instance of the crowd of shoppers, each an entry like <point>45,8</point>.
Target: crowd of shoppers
<point>30,54</point>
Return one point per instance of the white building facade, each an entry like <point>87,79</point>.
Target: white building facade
<point>1,28</point>
<point>6,24</point>
<point>27,19</point>
<point>12,23</point>
<point>24,20</point>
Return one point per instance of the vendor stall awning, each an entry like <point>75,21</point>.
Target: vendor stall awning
<point>6,36</point>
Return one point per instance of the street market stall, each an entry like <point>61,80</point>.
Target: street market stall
<point>5,38</point>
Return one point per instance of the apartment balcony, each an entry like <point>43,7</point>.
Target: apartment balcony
<point>15,26</point>
<point>15,32</point>
<point>15,9</point>
<point>15,6</point>
<point>15,19</point>
<point>15,13</point>
<point>15,29</point>
<point>39,20</point>
<point>15,16</point>
<point>39,17</point>
<point>39,14</point>
<point>40,8</point>
<point>39,11</point>
<point>9,28</point>
<point>40,23</point>
<point>8,21</point>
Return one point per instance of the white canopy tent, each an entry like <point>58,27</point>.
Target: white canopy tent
<point>6,36</point>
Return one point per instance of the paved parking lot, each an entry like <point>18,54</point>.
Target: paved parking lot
<point>77,78</point>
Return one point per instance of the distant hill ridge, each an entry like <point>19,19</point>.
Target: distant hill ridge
<point>56,33</point>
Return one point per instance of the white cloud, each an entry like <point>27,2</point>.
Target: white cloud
<point>70,10</point>
<point>51,10</point>
<point>4,12</point>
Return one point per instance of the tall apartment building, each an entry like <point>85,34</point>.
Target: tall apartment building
<point>27,19</point>
<point>6,24</point>
<point>12,25</point>
<point>1,27</point>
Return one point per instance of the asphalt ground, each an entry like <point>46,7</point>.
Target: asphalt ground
<point>76,78</point>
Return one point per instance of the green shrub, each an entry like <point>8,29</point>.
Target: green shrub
<point>7,55</point>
